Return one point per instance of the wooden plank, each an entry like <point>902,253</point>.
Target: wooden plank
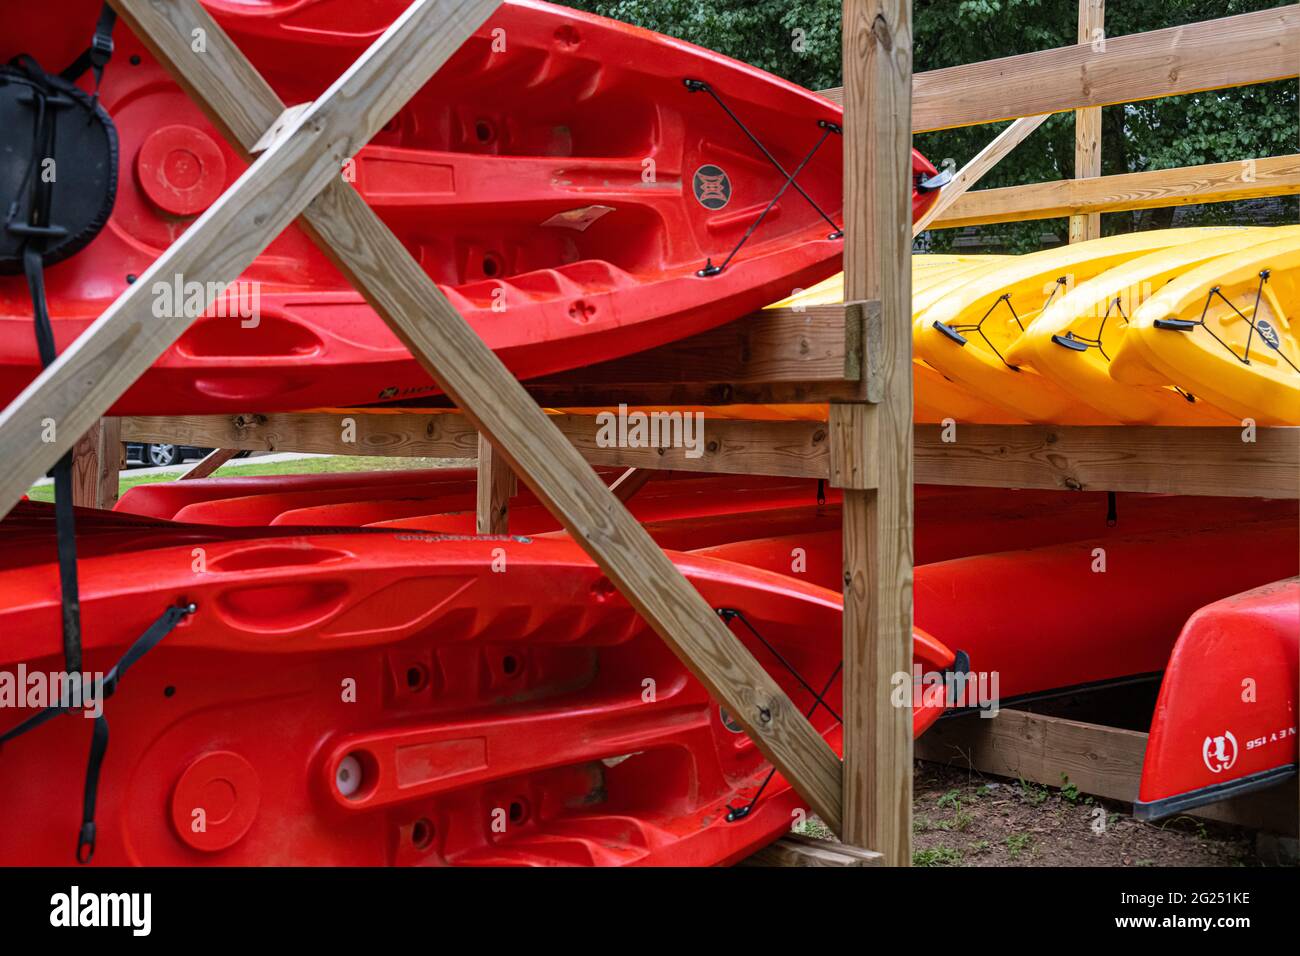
<point>795,849</point>
<point>496,486</point>
<point>430,435</point>
<point>1186,185</point>
<point>789,448</point>
<point>1103,761</point>
<point>1233,51</point>
<point>211,462</point>
<point>626,485</point>
<point>496,405</point>
<point>793,449</point>
<point>126,339</point>
<point>97,458</point>
<point>553,395</point>
<point>974,171</point>
<point>771,345</point>
<point>1087,124</point>
<point>877,621</point>
<point>1189,461</point>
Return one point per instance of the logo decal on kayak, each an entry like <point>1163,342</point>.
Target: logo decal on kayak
<point>1268,334</point>
<point>712,186</point>
<point>1219,753</point>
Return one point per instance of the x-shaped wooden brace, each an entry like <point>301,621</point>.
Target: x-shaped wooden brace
<point>297,173</point>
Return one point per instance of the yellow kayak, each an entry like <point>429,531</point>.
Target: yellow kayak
<point>1226,331</point>
<point>966,333</point>
<point>1073,341</point>
<point>929,267</point>
<point>934,397</point>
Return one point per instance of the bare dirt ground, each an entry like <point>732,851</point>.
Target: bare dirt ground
<point>963,818</point>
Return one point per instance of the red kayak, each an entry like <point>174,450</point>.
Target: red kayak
<point>580,189</point>
<point>1043,618</point>
<point>162,499</point>
<point>529,718</point>
<point>1225,722</point>
<point>451,497</point>
<point>983,519</point>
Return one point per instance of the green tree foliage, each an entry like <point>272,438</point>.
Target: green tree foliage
<point>800,40</point>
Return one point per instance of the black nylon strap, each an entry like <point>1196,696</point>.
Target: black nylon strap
<point>64,518</point>
<point>96,56</point>
<point>150,639</point>
<point>99,738</point>
<point>90,795</point>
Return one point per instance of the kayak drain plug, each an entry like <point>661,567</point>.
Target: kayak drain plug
<point>347,778</point>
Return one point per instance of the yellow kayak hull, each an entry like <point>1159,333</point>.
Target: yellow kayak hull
<point>1074,340</point>
<point>967,332</point>
<point>1227,331</point>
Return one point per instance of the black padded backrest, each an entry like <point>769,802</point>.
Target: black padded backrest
<point>44,118</point>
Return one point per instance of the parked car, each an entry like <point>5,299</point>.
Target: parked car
<point>161,454</point>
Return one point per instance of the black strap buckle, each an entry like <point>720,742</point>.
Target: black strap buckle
<point>101,50</point>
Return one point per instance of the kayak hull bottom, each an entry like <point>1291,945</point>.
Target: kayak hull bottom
<point>1182,802</point>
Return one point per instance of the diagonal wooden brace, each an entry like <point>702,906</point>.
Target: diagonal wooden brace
<point>303,161</point>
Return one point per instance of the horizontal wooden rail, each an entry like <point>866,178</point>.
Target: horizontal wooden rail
<point>794,849</point>
<point>794,449</point>
<point>1185,185</point>
<point>1189,461</point>
<point>801,347</point>
<point>1193,461</point>
<point>1233,51</point>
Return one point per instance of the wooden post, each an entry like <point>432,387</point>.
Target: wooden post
<point>496,486</point>
<point>871,453</point>
<point>299,173</point>
<point>97,458</point>
<point>1087,126</point>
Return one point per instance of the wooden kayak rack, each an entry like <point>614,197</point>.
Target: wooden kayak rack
<point>857,357</point>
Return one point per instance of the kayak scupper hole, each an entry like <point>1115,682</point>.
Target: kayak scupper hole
<point>422,834</point>
<point>518,810</point>
<point>484,131</point>
<point>417,677</point>
<point>510,666</point>
<point>491,265</point>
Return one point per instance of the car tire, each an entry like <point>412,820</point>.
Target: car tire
<point>162,455</point>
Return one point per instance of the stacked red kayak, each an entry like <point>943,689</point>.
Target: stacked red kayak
<point>580,189</point>
<point>447,699</point>
<point>433,699</point>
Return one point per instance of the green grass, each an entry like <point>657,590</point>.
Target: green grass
<point>938,856</point>
<point>1019,844</point>
<point>815,828</point>
<point>298,466</point>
